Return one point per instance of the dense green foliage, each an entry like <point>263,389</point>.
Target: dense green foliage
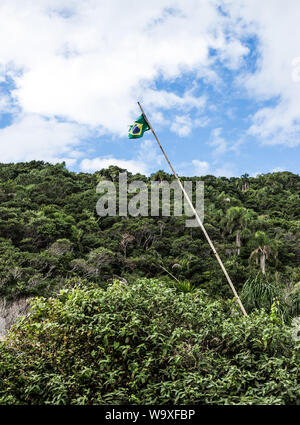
<point>152,320</point>
<point>147,343</point>
<point>50,232</point>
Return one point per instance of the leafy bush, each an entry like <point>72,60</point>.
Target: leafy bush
<point>258,292</point>
<point>146,343</point>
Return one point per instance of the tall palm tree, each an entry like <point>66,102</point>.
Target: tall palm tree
<point>245,182</point>
<point>237,219</point>
<point>264,248</point>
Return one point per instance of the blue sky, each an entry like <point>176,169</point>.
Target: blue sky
<point>219,82</point>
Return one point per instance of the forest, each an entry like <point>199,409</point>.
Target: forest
<point>136,310</point>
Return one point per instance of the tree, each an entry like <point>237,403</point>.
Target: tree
<point>264,248</point>
<point>161,176</point>
<point>237,219</point>
<point>127,238</point>
<point>245,182</point>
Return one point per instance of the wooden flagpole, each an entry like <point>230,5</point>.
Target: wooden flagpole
<point>196,216</point>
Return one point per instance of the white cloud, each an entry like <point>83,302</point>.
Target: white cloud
<point>33,136</point>
<point>158,118</point>
<point>218,143</point>
<point>7,105</point>
<point>91,63</point>
<point>4,103</point>
<point>277,125</point>
<point>276,26</point>
<point>296,69</point>
<point>201,168</point>
<point>91,165</point>
<point>233,54</point>
<point>182,125</point>
<point>169,100</point>
<point>147,159</point>
<point>225,170</point>
<point>278,169</point>
<point>88,62</point>
<point>149,153</point>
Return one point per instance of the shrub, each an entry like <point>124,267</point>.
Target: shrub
<point>258,292</point>
<point>146,343</point>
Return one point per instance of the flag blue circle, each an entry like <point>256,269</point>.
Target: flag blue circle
<point>135,129</point>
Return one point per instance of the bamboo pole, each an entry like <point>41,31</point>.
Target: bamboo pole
<point>196,216</point>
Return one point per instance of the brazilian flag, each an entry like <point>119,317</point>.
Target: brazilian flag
<point>138,128</point>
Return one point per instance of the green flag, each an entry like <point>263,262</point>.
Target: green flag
<point>138,128</point>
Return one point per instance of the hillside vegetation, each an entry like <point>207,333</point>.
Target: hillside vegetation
<point>50,234</point>
<point>135,310</point>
